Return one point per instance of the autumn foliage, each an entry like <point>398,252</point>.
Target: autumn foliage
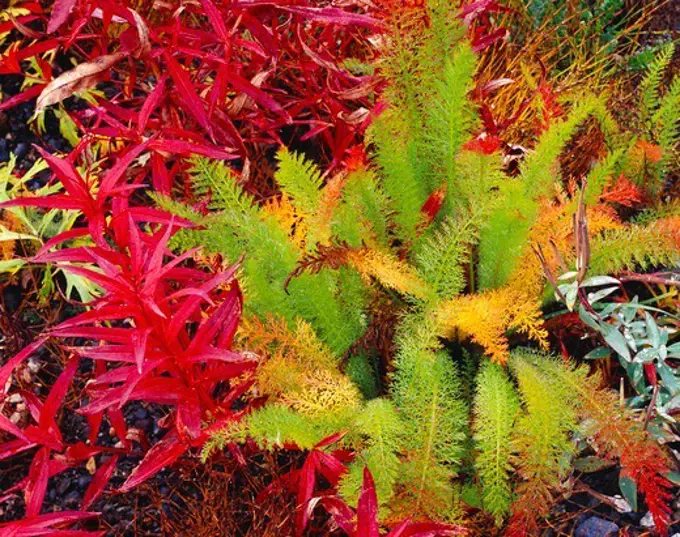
<point>310,233</point>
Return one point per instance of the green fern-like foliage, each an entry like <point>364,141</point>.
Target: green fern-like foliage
<point>402,180</point>
<point>496,407</point>
<point>440,258</point>
<point>381,429</point>
<point>270,427</point>
<point>427,392</point>
<point>505,235</point>
<point>541,438</point>
<point>667,124</point>
<point>650,85</point>
<point>331,247</point>
<point>448,124</point>
<point>300,179</point>
<point>242,227</point>
<point>634,247</point>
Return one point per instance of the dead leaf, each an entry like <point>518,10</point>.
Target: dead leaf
<point>23,29</point>
<point>144,46</point>
<point>84,76</point>
<point>91,466</point>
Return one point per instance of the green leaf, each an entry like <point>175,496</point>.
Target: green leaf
<point>673,477</point>
<point>646,356</point>
<point>597,281</point>
<point>598,353</point>
<point>670,380</point>
<point>11,265</point>
<point>616,341</point>
<point>652,330</point>
<point>602,293</point>
<point>628,488</point>
<point>591,464</point>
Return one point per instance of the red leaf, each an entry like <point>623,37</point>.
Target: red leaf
<point>432,205</point>
<point>431,529</point>
<point>60,12</point>
<point>150,104</point>
<point>99,481</point>
<point>11,428</point>
<point>110,180</point>
<point>38,474</point>
<point>216,20</point>
<point>14,447</point>
<point>40,525</point>
<point>331,439</point>
<point>187,92</point>
<point>30,93</point>
<point>12,363</point>
<point>367,508</point>
<point>486,144</point>
<point>306,482</point>
<point>333,15</point>
<point>485,40</point>
<point>56,397</point>
<point>68,175</point>
<point>256,94</point>
<point>339,510</point>
<point>190,148</point>
<point>162,455</point>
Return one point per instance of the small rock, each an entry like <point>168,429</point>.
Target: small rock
<point>84,481</point>
<point>72,499</point>
<point>141,413</point>
<point>647,520</point>
<point>21,150</point>
<point>63,486</point>
<point>4,150</point>
<point>597,527</point>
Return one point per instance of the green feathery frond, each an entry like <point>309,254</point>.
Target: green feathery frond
<point>600,176</point>
<point>362,370</point>
<point>496,408</point>
<point>635,247</point>
<point>214,178</point>
<point>381,429</point>
<point>449,116</point>
<point>270,427</point>
<point>503,237</point>
<point>541,436</point>
<point>667,122</point>
<point>427,392</point>
<point>651,83</point>
<point>398,159</point>
<point>363,212</point>
<point>441,259</point>
<point>505,234</point>
<point>175,207</point>
<point>300,179</point>
<point>539,170</point>
<point>479,177</point>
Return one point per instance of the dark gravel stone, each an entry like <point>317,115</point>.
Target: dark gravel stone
<point>596,527</point>
<point>4,150</point>
<point>11,298</point>
<point>21,150</point>
<point>72,500</point>
<point>63,486</point>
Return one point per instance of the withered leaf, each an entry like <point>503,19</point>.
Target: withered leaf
<point>84,76</point>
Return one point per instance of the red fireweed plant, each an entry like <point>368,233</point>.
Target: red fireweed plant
<point>216,77</point>
<point>160,332</point>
